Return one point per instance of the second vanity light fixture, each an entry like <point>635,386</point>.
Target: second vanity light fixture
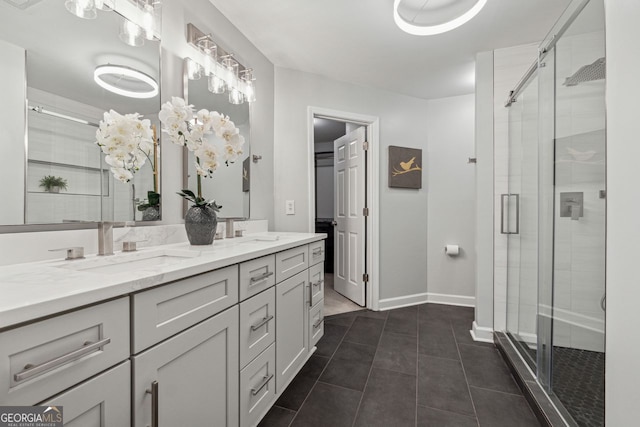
<point>141,18</point>
<point>443,27</point>
<point>222,71</point>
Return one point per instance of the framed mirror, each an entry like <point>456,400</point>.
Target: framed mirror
<point>230,186</point>
<point>52,168</point>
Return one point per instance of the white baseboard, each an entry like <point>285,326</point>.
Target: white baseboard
<point>481,333</point>
<point>409,300</point>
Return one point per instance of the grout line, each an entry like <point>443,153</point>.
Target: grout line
<point>497,391</point>
<point>322,372</point>
<point>464,372</point>
<point>448,412</point>
<point>364,389</point>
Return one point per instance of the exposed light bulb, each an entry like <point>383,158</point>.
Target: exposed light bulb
<point>194,70</point>
<point>131,33</point>
<point>250,91</point>
<point>85,9</point>
<point>216,84</point>
<point>148,21</point>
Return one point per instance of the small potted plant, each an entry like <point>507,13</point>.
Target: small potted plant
<point>53,184</point>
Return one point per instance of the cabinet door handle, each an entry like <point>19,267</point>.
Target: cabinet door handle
<point>265,381</point>
<point>318,323</point>
<point>261,277</point>
<point>33,370</point>
<point>261,323</point>
<point>310,295</point>
<point>154,403</point>
<point>318,283</point>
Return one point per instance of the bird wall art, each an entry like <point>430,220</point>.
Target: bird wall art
<point>405,167</point>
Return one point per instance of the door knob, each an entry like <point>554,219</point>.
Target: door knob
<point>334,223</point>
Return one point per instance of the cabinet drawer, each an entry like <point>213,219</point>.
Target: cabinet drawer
<point>164,311</point>
<point>316,280</point>
<point>316,323</point>
<point>316,252</point>
<point>257,275</point>
<point>102,401</point>
<point>42,359</point>
<point>257,325</point>
<point>291,262</point>
<point>257,387</point>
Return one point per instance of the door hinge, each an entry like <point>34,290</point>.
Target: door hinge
<point>365,145</point>
<point>365,277</point>
<point>365,211</point>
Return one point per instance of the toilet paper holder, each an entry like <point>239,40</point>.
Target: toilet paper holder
<point>452,250</point>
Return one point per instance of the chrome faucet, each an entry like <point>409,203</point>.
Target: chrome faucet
<point>105,235</point>
<point>228,227</point>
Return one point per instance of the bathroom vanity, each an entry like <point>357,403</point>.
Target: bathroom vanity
<point>164,336</point>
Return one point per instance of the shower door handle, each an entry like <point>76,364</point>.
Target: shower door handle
<point>507,197</point>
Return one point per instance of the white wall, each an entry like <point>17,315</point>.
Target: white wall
<point>451,190</point>
<point>623,205</point>
<point>403,216</point>
<point>483,325</point>
<point>176,15</point>
<point>12,109</point>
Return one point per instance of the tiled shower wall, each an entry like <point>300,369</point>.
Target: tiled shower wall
<point>579,262</point>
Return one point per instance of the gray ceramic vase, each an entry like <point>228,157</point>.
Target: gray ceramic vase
<point>200,223</point>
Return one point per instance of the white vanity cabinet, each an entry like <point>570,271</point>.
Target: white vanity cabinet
<point>292,311</point>
<point>103,401</point>
<point>191,378</point>
<point>215,347</point>
<point>44,358</point>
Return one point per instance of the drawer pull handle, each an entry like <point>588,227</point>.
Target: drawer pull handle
<point>265,381</point>
<point>261,323</point>
<point>154,403</point>
<point>318,323</point>
<point>317,251</point>
<point>261,277</point>
<point>33,370</point>
<point>318,283</point>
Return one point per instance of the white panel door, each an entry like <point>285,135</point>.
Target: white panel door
<point>349,193</point>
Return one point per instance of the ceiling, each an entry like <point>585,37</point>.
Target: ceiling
<point>357,41</point>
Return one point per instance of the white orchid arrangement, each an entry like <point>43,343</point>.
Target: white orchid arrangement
<point>191,129</point>
<point>127,142</point>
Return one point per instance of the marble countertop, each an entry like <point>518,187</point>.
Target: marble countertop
<point>33,290</point>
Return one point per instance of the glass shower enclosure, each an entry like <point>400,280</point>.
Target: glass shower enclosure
<point>554,215</point>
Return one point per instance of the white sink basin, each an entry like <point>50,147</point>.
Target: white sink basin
<point>121,263</point>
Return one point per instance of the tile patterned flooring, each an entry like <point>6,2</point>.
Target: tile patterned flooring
<point>415,366</point>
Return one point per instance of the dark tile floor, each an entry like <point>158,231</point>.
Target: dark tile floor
<point>414,366</point>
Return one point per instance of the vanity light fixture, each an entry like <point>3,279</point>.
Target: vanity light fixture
<point>125,81</point>
<point>428,30</point>
<point>223,71</point>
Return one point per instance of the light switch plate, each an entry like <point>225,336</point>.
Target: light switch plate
<point>290,207</point>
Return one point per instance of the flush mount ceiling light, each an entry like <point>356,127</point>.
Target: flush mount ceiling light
<point>125,81</point>
<point>429,30</point>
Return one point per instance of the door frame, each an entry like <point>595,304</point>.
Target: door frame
<point>372,253</point>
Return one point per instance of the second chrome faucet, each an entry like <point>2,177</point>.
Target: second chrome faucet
<point>105,235</point>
